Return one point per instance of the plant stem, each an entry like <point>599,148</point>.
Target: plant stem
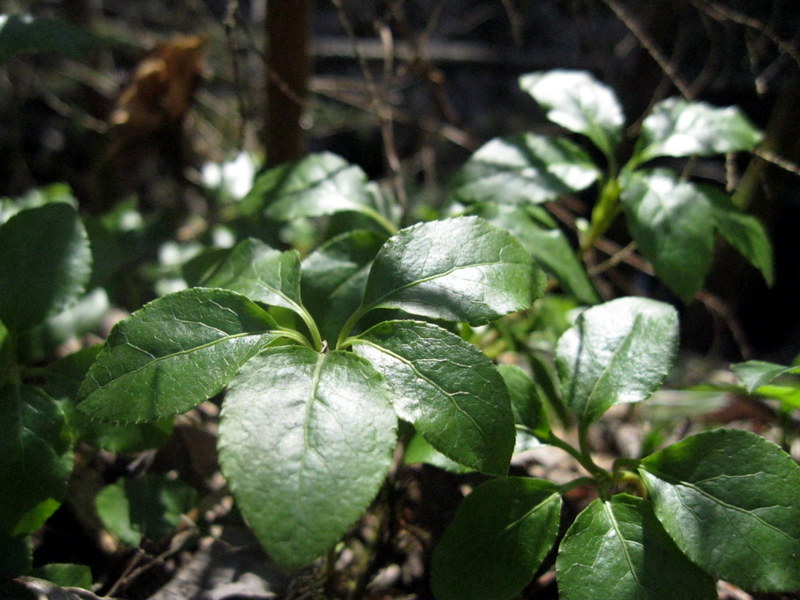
<point>604,213</point>
<point>348,326</point>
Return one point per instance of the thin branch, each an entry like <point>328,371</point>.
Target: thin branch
<point>382,109</point>
<point>669,68</point>
<point>720,12</point>
<point>229,24</point>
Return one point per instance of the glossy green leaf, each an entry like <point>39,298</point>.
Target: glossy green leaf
<point>461,269</point>
<point>618,549</point>
<point>743,232</point>
<point>334,278</point>
<point>24,33</point>
<point>36,447</point>
<point>447,388</point>
<point>173,354</point>
<point>547,243</point>
<point>149,507</point>
<point>261,273</point>
<point>672,222</point>
<point>63,379</point>
<point>305,442</point>
<point>757,373</point>
<point>677,127</point>
<point>500,535</point>
<point>729,500</point>
<point>320,184</point>
<point>617,352</point>
<point>45,263</point>
<point>523,169</point>
<point>578,102</point>
<point>525,401</point>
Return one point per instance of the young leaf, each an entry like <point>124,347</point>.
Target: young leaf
<point>45,262</point>
<point>500,535</point>
<point>36,448</point>
<point>618,549</point>
<point>548,245</point>
<point>305,441</point>
<point>672,222</point>
<point>320,184</point>
<point>523,169</point>
<point>578,102</point>
<point>729,500</point>
<point>447,388</point>
<point>173,354</point>
<point>677,127</point>
<point>743,232</point>
<point>334,277</point>
<point>620,351</point>
<point>261,273</point>
<point>149,507</point>
<point>460,269</point>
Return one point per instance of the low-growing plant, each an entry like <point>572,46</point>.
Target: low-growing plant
<point>316,358</point>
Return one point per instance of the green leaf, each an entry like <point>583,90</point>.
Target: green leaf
<point>756,373</point>
<point>672,222</point>
<point>334,277</point>
<point>460,269</point>
<point>418,450</point>
<point>261,273</point>
<point>36,447</point>
<point>16,558</point>
<point>525,401</point>
<point>23,33</point>
<point>523,169</point>
<point>305,442</point>
<point>500,535</point>
<point>578,102</point>
<point>63,379</point>
<point>173,354</point>
<point>66,575</point>
<point>320,184</point>
<point>617,352</point>
<point>677,127</point>
<point>729,500</point>
<point>743,232</point>
<point>44,255</point>
<point>149,507</point>
<point>539,235</point>
<point>618,549</point>
<point>447,388</point>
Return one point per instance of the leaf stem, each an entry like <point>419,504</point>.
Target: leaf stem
<point>604,212</point>
<point>311,325</point>
<point>380,219</point>
<point>348,326</point>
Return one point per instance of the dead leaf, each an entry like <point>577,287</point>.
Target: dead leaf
<point>162,86</point>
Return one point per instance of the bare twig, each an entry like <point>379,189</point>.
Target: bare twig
<point>669,68</point>
<point>381,108</point>
<point>229,24</point>
<point>721,12</point>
